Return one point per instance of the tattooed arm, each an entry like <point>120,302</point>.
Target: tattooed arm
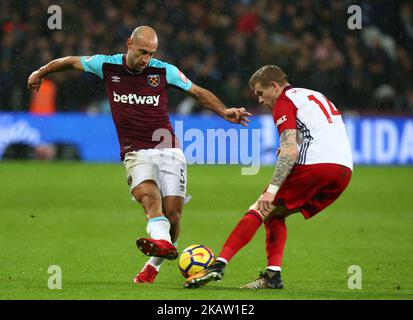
<point>286,158</point>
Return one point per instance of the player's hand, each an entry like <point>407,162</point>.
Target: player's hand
<point>237,115</point>
<point>35,81</point>
<point>265,203</point>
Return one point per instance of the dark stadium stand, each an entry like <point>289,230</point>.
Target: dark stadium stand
<point>218,44</point>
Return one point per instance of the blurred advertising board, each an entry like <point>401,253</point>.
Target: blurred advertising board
<point>207,139</point>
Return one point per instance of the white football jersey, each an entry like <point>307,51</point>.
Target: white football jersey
<point>322,136</point>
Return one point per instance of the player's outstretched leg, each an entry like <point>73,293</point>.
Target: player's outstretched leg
<point>267,280</point>
<point>159,243</point>
<point>239,237</point>
<point>214,272</point>
<point>157,248</point>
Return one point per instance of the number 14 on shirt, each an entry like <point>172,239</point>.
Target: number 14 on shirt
<point>333,110</point>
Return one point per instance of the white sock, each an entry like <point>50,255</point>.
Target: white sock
<point>274,268</point>
<point>156,262</point>
<point>222,260</point>
<point>158,228</point>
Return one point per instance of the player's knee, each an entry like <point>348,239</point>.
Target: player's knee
<point>254,207</point>
<point>146,189</point>
<point>281,213</point>
<point>150,203</point>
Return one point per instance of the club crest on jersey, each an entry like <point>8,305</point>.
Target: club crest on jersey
<point>154,80</point>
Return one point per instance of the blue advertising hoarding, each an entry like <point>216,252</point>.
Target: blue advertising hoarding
<point>207,139</point>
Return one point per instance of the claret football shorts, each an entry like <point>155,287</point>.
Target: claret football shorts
<point>166,167</point>
<point>311,188</point>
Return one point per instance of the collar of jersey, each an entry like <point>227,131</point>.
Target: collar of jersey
<point>282,94</point>
<point>286,88</point>
<point>130,70</point>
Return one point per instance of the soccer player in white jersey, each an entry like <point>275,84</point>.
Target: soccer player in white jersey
<point>314,167</point>
<point>136,85</point>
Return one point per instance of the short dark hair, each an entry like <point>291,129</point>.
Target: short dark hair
<point>266,74</point>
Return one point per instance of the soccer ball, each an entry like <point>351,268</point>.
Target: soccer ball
<point>194,259</point>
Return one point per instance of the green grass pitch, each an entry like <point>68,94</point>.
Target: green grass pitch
<point>80,217</point>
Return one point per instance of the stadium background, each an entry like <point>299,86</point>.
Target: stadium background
<point>217,44</point>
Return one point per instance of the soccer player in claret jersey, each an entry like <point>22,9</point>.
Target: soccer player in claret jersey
<point>314,167</point>
<point>136,86</point>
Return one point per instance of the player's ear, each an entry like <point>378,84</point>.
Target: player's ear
<point>129,43</point>
<point>275,85</point>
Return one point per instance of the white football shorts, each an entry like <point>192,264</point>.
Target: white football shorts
<point>166,167</point>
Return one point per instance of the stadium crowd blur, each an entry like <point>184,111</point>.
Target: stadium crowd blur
<point>217,44</point>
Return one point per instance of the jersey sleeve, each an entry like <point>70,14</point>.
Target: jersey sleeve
<point>285,115</point>
<point>175,77</point>
<point>94,64</point>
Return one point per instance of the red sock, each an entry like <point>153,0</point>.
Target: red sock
<point>241,235</point>
<point>275,240</point>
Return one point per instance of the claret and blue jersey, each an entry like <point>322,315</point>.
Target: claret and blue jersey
<point>138,100</point>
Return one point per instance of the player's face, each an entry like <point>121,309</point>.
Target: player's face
<point>266,95</point>
<point>140,53</point>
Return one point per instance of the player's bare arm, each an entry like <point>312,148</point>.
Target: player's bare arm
<point>211,101</point>
<point>67,63</point>
<point>287,156</point>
